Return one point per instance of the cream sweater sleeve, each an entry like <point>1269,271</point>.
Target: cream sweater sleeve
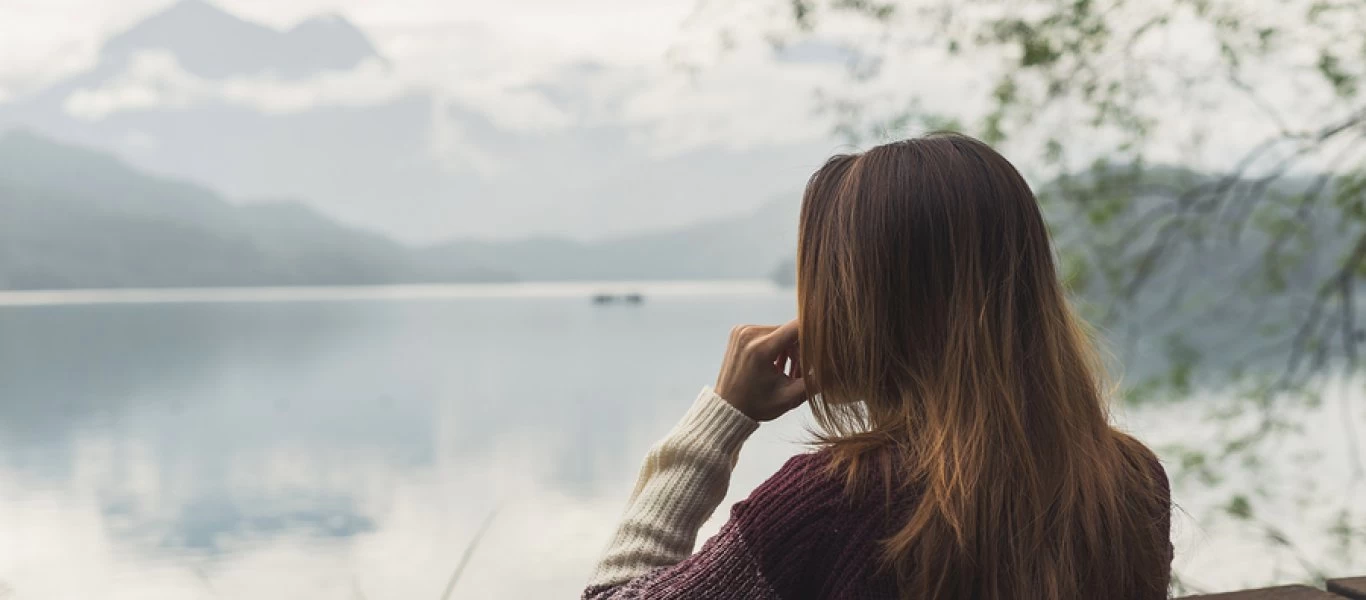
<point>684,478</point>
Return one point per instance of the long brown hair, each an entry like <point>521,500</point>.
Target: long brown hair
<point>941,346</point>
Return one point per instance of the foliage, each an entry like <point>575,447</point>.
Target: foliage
<point>1207,186</point>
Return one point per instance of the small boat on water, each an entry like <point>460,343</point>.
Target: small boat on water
<point>631,298</point>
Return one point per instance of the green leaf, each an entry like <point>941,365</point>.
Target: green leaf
<point>801,14</point>
<point>1317,10</point>
<point>1005,91</point>
<point>1239,507</point>
<point>1053,151</point>
<point>992,133</point>
<point>1266,37</point>
<point>1036,51</point>
<point>1275,536</point>
<point>1343,82</point>
<point>880,11</point>
<point>1076,271</point>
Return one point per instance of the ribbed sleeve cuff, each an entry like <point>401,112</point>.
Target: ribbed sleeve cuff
<point>684,478</point>
<point>712,423</point>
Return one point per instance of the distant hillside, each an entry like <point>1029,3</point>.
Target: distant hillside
<point>744,246</point>
<point>74,218</point>
<point>78,218</point>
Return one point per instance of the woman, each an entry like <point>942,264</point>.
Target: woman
<point>965,449</point>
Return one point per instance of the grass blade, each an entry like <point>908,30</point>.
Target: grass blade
<point>469,552</point>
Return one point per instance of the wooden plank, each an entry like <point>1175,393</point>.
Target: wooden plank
<point>1287,592</point>
<point>1354,588</point>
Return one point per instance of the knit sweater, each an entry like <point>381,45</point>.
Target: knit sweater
<point>798,535</point>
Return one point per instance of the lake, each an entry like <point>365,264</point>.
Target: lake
<point>349,442</point>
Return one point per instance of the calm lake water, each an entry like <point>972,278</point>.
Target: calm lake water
<point>349,443</point>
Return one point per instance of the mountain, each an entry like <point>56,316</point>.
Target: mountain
<point>212,43</point>
<point>76,218</point>
<point>80,218</point>
<point>743,246</point>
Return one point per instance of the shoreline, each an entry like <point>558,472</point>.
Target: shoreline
<point>384,292</point>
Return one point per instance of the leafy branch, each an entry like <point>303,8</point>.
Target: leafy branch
<point>1203,174</point>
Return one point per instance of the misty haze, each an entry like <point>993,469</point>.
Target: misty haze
<point>323,298</point>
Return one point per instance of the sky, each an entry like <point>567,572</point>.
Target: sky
<point>483,52</point>
<point>47,36</point>
<point>652,73</point>
<point>619,95</point>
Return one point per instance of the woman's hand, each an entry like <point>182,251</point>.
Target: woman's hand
<point>752,375</point>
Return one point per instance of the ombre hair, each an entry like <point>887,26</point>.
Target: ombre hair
<point>942,350</point>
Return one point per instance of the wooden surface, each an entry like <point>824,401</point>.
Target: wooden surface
<point>1289,592</point>
<point>1354,588</point>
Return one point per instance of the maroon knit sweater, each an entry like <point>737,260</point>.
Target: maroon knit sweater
<point>797,536</point>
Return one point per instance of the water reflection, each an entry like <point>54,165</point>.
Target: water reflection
<point>350,449</point>
<point>295,450</point>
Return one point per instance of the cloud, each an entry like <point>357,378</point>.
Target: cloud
<point>42,41</point>
<point>527,67</point>
<point>155,80</point>
<point>452,147</point>
<point>744,102</point>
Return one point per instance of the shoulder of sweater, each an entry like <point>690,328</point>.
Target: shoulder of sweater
<point>813,464</point>
<point>805,472</point>
<point>803,520</point>
<point>803,489</point>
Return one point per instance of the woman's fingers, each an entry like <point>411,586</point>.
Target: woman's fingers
<point>761,374</point>
<point>780,339</point>
<point>794,393</point>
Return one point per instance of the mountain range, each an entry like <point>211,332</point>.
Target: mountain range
<point>79,218</point>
